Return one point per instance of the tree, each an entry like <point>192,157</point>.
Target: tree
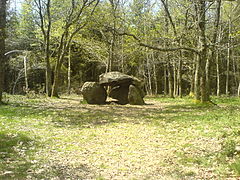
<point>2,44</point>
<point>72,24</point>
<point>45,24</point>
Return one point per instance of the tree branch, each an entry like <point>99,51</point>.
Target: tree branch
<point>158,48</point>
<point>13,51</point>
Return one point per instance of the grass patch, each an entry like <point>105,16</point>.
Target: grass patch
<point>66,138</point>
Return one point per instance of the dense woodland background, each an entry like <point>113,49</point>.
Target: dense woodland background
<point>177,47</point>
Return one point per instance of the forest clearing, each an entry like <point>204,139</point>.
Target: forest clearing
<point>171,67</point>
<point>165,139</point>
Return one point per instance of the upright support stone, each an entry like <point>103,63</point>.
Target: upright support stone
<point>120,93</point>
<point>134,96</point>
<point>94,93</point>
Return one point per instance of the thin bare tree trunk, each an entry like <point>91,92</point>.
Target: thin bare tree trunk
<point>25,74</point>
<point>69,69</point>
<point>235,71</point>
<point>179,73</point>
<point>192,80</point>
<point>180,76</point>
<point>228,58</point>
<point>227,72</point>
<point>47,51</point>
<point>215,39</point>
<point>197,80</point>
<point>218,73</point>
<point>149,75</point>
<point>46,35</point>
<point>229,52</point>
<point>155,74</point>
<point>110,57</point>
<point>170,81</point>
<point>165,80</point>
<point>239,89</point>
<point>2,44</point>
<point>122,56</point>
<point>175,84</point>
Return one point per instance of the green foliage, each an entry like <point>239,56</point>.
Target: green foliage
<point>229,148</point>
<point>27,27</point>
<point>236,167</point>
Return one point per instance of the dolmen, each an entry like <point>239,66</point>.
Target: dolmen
<point>122,87</point>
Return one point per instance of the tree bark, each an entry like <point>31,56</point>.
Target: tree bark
<point>197,80</point>
<point>229,57</point>
<point>202,55</point>
<point>192,79</point>
<point>175,80</point>
<point>239,89</point>
<point>57,70</point>
<point>170,80</point>
<point>165,80</point>
<point>149,75</point>
<point>180,76</point>
<point>155,74</point>
<point>47,52</point>
<point>215,51</point>
<point>25,74</point>
<point>46,29</point>
<point>2,45</point>
<point>69,69</point>
<point>218,73</point>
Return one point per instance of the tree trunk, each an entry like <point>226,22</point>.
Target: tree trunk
<point>175,84</point>
<point>228,58</point>
<point>46,35</point>
<point>170,81</point>
<point>155,75</point>
<point>197,80</point>
<point>165,80</point>
<point>208,74</point>
<point>217,37</point>
<point>235,72</point>
<point>239,89</point>
<point>56,81</point>
<point>192,80</point>
<point>69,70</point>
<point>202,55</point>
<point>149,75</point>
<point>25,74</point>
<point>122,54</point>
<point>110,57</point>
<point>2,44</point>
<point>218,73</point>
<point>47,52</point>
<point>179,73</point>
<point>180,77</point>
<point>62,51</point>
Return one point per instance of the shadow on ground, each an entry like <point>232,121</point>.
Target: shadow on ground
<point>15,152</point>
<point>77,115</point>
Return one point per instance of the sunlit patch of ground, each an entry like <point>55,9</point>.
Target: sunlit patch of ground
<point>164,139</point>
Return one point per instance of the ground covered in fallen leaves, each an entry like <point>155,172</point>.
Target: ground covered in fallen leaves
<point>66,138</point>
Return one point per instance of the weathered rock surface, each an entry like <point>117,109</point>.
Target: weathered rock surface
<point>114,79</point>
<point>94,93</point>
<point>134,96</point>
<point>120,93</point>
<point>124,88</point>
